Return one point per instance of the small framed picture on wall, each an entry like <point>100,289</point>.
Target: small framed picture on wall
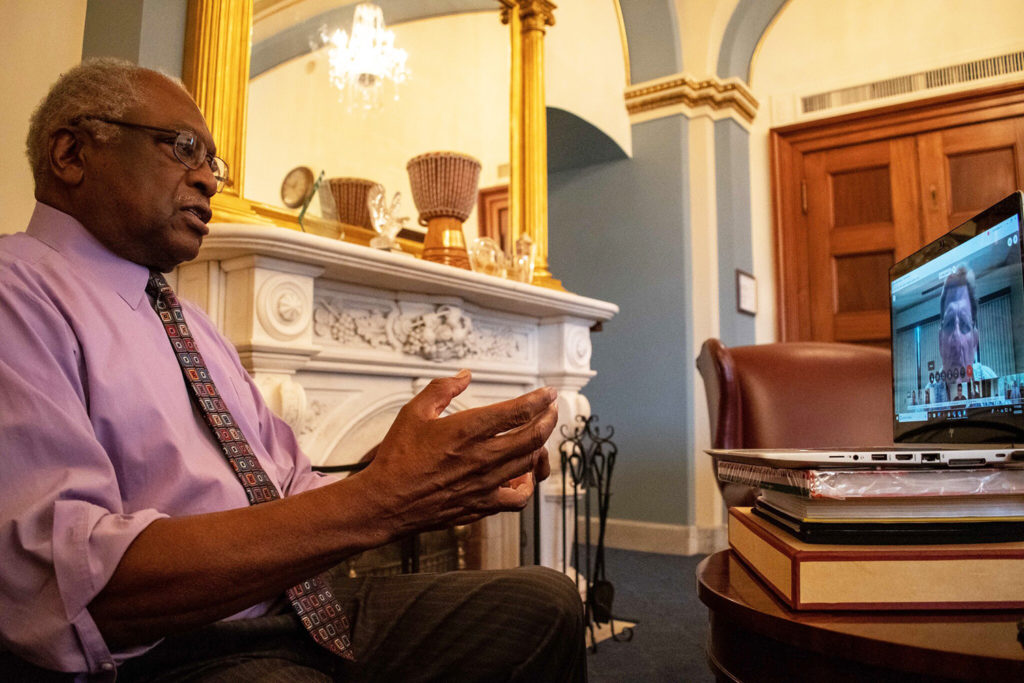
<point>746,293</point>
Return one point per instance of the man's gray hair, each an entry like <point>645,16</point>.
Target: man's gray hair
<point>105,87</point>
<point>962,276</point>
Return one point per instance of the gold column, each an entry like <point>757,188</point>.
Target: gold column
<point>516,166</point>
<point>215,69</point>
<point>535,15</point>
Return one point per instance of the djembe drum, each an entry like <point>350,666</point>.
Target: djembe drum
<point>350,200</point>
<point>444,188</point>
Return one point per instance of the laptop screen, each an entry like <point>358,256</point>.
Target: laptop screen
<point>958,333</point>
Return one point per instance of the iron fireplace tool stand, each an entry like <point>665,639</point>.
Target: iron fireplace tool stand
<point>587,461</point>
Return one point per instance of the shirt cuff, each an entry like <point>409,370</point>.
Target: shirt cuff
<point>88,544</point>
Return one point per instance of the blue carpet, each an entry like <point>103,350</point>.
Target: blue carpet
<point>659,592</point>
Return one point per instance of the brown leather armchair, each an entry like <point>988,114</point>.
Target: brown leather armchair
<point>795,395</point>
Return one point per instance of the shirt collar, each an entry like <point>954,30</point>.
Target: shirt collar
<point>65,235</point>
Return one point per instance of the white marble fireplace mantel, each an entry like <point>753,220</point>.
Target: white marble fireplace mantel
<point>339,336</point>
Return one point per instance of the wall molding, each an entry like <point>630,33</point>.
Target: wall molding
<point>713,97</point>
<point>655,537</point>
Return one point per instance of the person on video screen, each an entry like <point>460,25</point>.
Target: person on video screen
<point>959,337</point>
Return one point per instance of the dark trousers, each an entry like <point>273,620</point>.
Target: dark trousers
<point>522,624</point>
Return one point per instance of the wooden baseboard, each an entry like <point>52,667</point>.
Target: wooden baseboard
<point>654,537</point>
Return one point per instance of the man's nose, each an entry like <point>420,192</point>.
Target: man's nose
<point>204,180</point>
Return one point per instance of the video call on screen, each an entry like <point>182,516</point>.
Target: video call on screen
<point>987,380</point>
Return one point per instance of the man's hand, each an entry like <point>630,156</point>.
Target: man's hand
<point>432,471</point>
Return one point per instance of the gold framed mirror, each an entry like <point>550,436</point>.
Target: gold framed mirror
<point>216,71</point>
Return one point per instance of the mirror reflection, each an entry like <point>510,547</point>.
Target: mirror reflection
<point>455,98</point>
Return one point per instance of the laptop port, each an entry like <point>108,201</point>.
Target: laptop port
<point>879,456</point>
<point>904,456</point>
<point>929,457</point>
<point>963,462</point>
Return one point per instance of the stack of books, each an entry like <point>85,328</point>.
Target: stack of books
<point>892,521</point>
<point>883,539</point>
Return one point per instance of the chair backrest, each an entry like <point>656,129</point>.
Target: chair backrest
<point>796,395</point>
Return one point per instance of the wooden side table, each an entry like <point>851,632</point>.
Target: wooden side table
<point>754,637</point>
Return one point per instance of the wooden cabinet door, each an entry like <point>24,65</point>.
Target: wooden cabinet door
<point>966,169</point>
<point>861,216</point>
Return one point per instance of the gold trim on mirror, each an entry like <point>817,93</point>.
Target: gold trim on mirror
<point>535,16</point>
<point>215,69</point>
<point>622,37</point>
<point>515,125</point>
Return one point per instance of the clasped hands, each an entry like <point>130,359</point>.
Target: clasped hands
<point>432,472</point>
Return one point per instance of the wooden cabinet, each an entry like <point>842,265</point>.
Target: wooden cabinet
<point>965,169</point>
<point>860,216</point>
<point>855,194</point>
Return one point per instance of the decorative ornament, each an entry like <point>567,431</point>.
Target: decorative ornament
<point>385,220</point>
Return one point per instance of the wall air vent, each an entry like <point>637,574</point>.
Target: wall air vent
<point>923,80</point>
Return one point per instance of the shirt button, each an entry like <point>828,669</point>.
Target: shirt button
<point>107,666</point>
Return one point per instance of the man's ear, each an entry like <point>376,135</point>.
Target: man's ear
<point>66,158</point>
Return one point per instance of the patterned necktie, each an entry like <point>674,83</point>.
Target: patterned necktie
<point>312,599</point>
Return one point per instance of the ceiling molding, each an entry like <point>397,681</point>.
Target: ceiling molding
<point>730,96</point>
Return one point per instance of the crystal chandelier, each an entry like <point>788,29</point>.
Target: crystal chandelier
<point>366,66</point>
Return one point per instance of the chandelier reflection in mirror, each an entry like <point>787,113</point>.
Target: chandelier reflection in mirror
<point>365,66</point>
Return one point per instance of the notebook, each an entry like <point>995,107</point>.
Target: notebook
<point>957,359</point>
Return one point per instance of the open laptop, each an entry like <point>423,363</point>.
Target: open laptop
<point>957,365</point>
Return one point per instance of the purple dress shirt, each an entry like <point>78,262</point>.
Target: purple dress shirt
<point>98,437</point>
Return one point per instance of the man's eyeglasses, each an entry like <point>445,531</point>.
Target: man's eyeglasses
<point>952,322</point>
<point>187,147</point>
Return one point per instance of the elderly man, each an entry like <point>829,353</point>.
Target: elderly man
<point>157,521</point>
<point>959,337</point>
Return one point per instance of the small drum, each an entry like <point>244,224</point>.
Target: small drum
<point>350,200</point>
<point>444,184</point>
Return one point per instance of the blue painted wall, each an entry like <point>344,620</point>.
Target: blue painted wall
<point>574,142</point>
<point>732,178</point>
<point>653,38</point>
<point>619,231</point>
<point>749,21</point>
<point>150,33</point>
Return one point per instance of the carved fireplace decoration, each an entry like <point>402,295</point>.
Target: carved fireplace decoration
<point>444,332</point>
<point>338,337</point>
